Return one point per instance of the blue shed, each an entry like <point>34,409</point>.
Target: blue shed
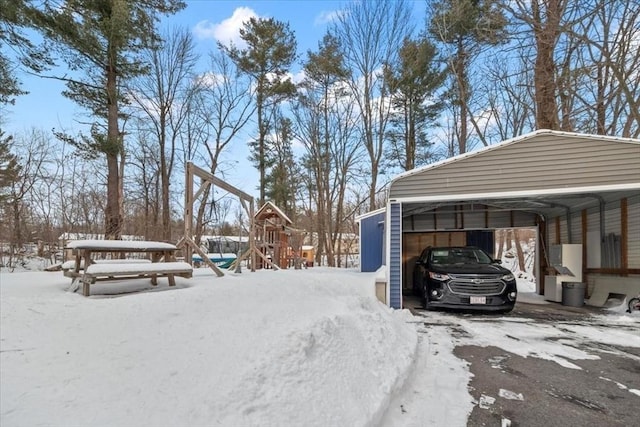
<point>372,248</point>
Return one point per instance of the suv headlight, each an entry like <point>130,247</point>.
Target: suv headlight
<point>508,277</point>
<point>438,276</point>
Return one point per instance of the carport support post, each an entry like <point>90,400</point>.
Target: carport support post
<point>394,264</point>
<point>542,249</point>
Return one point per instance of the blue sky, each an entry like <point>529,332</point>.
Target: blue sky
<point>210,21</point>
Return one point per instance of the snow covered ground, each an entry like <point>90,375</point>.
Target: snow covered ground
<point>284,348</point>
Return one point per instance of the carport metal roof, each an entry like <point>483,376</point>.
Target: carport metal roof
<point>546,172</point>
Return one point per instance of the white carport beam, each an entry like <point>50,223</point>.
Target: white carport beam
<point>514,194</point>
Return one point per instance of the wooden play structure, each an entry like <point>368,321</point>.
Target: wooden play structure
<point>276,239</point>
<point>258,253</point>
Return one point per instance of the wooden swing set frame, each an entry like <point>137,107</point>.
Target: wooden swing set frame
<point>188,245</point>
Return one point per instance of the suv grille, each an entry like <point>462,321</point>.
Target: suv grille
<point>473,284</point>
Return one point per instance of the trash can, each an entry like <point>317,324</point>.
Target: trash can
<point>573,294</point>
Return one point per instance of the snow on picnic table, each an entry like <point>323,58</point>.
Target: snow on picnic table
<point>308,347</point>
<point>123,245</point>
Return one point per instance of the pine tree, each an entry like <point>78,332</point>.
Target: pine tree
<point>101,42</point>
<point>282,179</point>
<point>9,167</point>
<point>413,85</point>
<point>12,38</point>
<point>270,51</point>
<point>464,26</point>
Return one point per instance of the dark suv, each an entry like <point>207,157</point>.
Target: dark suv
<point>463,277</point>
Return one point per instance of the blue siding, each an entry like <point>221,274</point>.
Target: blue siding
<point>371,242</point>
<point>395,256</point>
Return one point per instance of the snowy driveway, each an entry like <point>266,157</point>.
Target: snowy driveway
<point>541,365</point>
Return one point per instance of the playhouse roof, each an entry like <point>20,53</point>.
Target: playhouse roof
<point>269,207</point>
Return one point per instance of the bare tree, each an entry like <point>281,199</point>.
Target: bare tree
<point>371,35</point>
<point>325,121</point>
<point>545,19</point>
<point>509,95</point>
<point>33,151</point>
<point>164,97</point>
<point>585,62</point>
<point>223,108</point>
<point>610,60</point>
<point>144,185</point>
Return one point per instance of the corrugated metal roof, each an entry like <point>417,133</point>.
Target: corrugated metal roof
<point>532,135</point>
<point>546,172</point>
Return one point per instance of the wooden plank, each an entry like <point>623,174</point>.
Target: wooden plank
<point>220,183</point>
<point>133,269</point>
<point>267,261</point>
<point>205,185</point>
<point>252,236</point>
<point>624,234</point>
<point>204,256</point>
<point>120,246</point>
<point>188,210</point>
<point>104,272</point>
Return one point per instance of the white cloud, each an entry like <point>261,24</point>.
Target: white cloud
<point>327,17</point>
<point>227,31</point>
<point>211,79</point>
<point>297,77</point>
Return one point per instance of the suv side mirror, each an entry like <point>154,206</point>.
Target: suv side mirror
<point>497,261</point>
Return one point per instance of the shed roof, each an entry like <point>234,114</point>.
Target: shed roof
<point>370,214</point>
<point>547,172</point>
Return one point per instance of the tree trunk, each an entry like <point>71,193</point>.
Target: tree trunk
<point>521,263</point>
<point>164,177</point>
<point>113,217</point>
<point>261,135</point>
<point>372,188</point>
<point>463,95</point>
<point>500,234</point>
<point>17,233</point>
<point>546,35</point>
<point>601,114</point>
<point>410,125</point>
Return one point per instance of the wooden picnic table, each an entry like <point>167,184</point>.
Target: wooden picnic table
<point>159,261</point>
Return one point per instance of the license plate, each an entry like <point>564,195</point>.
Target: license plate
<point>478,300</point>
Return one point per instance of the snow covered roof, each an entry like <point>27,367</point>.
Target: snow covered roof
<point>507,142</point>
<point>269,207</point>
<point>545,172</point>
<point>370,214</point>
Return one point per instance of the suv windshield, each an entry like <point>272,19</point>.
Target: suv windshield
<point>459,256</point>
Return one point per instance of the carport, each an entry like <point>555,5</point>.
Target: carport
<point>572,188</point>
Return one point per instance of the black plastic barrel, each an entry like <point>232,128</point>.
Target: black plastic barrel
<point>573,294</point>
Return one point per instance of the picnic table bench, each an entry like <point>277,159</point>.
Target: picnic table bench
<point>160,262</point>
<point>68,267</point>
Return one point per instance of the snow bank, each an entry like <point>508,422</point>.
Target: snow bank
<point>308,347</point>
